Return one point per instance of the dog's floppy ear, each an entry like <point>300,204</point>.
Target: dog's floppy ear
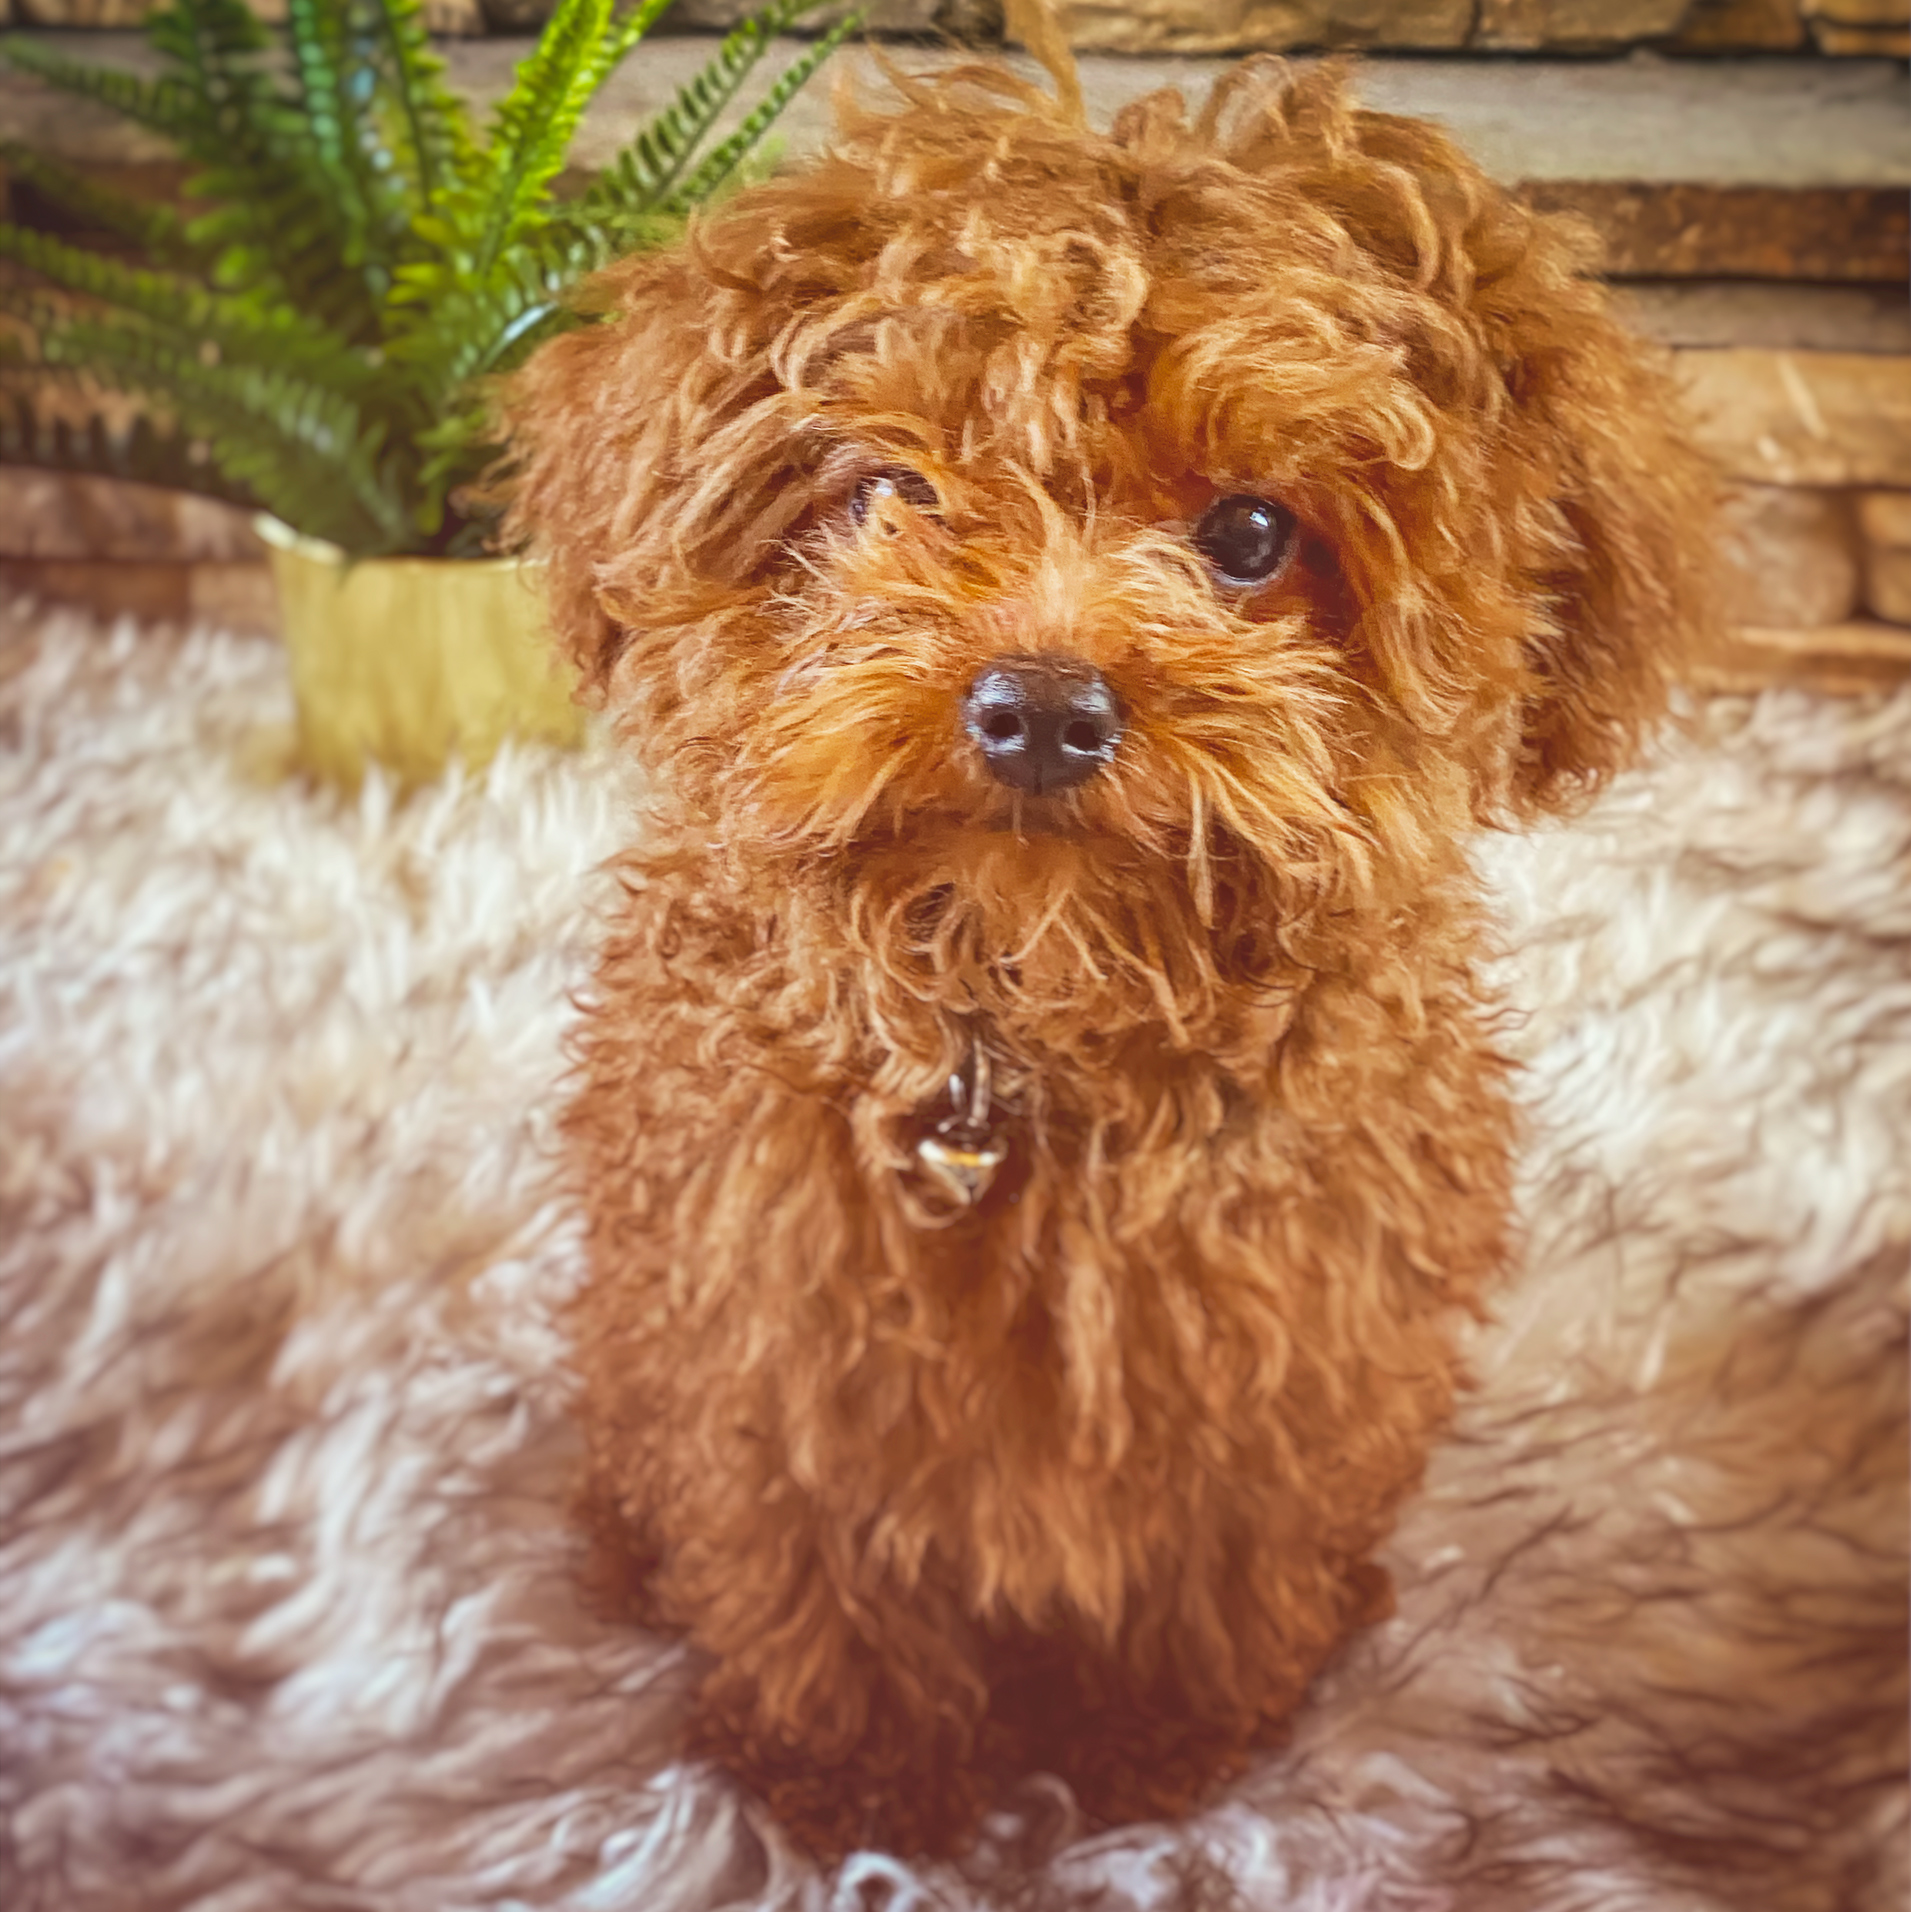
<point>589,421</point>
<point>651,449</point>
<point>1599,506</point>
<point>1606,505</point>
<point>1611,515</point>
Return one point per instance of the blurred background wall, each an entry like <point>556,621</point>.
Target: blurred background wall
<point>1747,162</point>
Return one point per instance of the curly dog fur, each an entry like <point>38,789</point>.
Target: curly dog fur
<point>1085,1477</point>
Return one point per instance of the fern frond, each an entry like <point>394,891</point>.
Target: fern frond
<point>468,331</point>
<point>725,157</point>
<point>321,37</point>
<point>214,49</point>
<point>319,33</point>
<point>640,178</point>
<point>215,38</point>
<point>323,321</point>
<point>162,106</point>
<point>277,222</point>
<point>304,452</point>
<point>530,135</point>
<point>157,230</point>
<point>623,33</point>
<point>435,142</point>
<point>196,319</point>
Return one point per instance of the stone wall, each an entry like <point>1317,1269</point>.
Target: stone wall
<point>1838,27</point>
<point>1753,213</point>
<point>1816,449</point>
<point>1525,26</point>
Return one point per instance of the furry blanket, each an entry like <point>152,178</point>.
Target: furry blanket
<point>286,1617</point>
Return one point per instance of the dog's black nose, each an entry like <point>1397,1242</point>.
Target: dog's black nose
<point>1043,723</point>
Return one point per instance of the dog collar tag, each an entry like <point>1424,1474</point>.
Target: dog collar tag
<point>963,1171</point>
<point>964,1154</point>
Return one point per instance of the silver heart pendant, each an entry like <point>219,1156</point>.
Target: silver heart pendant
<point>962,1169</point>
<point>966,1150</point>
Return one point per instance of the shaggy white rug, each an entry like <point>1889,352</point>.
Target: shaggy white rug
<point>285,1614</point>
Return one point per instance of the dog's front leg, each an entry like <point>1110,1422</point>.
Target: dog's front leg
<point>851,1710</point>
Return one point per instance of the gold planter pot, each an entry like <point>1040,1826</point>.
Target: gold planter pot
<point>414,662</point>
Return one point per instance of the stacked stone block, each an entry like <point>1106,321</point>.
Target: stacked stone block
<point>1810,441</point>
<point>1884,523</point>
<point>1815,447</point>
<point>132,550</point>
<point>1837,27</point>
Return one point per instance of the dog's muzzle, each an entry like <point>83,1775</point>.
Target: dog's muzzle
<point>1042,722</point>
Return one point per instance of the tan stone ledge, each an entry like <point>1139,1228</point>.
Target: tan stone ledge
<point>1726,26</point>
<point>1861,43</point>
<point>71,515</point>
<point>1802,418</point>
<point>236,595</point>
<point>1779,317</point>
<point>1782,170</point>
<point>1530,25</point>
<point>1855,13</point>
<point>1842,660</point>
<point>1759,121</point>
<point>1888,582</point>
<point>1201,26</point>
<point>1793,557</point>
<point>1885,518</point>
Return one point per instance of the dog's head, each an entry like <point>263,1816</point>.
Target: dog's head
<point>1032,522</point>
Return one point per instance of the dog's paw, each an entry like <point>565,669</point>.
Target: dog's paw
<point>912,1805</point>
<point>902,1783</point>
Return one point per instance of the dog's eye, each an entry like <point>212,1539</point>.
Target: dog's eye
<point>1246,539</point>
<point>893,481</point>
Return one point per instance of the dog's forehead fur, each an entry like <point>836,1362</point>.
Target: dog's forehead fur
<point>1010,290</point>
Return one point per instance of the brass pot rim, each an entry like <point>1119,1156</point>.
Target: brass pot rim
<point>280,536</point>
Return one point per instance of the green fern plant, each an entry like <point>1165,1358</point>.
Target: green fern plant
<point>314,334</point>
